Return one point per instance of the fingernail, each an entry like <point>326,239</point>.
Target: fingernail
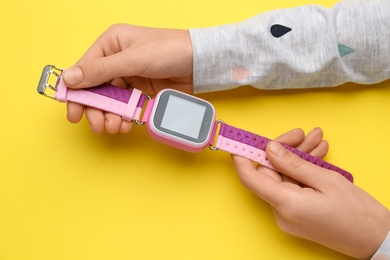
<point>73,76</point>
<point>277,149</point>
<point>313,131</point>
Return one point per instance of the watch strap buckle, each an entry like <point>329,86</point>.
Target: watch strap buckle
<point>48,83</point>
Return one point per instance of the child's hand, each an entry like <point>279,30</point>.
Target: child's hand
<point>314,203</point>
<point>149,59</point>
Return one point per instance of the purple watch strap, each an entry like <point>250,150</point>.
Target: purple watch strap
<point>126,103</point>
<point>261,142</point>
<point>117,93</point>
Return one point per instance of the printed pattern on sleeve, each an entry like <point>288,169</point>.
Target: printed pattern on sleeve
<point>303,47</point>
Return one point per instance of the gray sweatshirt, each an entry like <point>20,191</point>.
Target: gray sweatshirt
<point>304,47</point>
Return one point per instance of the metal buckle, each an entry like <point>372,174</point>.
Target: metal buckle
<point>213,148</point>
<point>48,83</point>
<point>140,122</point>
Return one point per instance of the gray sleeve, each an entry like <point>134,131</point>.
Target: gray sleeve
<point>384,250</point>
<point>302,47</point>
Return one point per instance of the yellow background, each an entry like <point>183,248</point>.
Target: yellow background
<point>66,193</point>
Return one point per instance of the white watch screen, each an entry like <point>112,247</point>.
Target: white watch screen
<point>183,116</point>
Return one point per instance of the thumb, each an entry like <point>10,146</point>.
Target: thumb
<point>73,76</point>
<point>93,72</point>
<point>293,166</point>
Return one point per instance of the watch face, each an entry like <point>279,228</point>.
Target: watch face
<point>183,117</point>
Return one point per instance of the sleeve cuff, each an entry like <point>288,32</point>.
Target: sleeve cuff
<point>383,252</point>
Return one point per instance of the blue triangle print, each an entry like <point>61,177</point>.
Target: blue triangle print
<point>345,50</point>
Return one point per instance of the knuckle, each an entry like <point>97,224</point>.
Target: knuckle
<point>289,211</point>
<point>118,28</point>
<point>287,227</point>
<point>113,31</point>
<point>245,180</point>
<point>115,27</point>
<point>284,225</point>
<point>295,162</point>
<point>97,67</point>
<point>248,180</point>
<point>288,217</point>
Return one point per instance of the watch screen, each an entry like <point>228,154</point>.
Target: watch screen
<point>183,116</point>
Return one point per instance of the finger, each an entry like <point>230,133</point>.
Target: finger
<point>293,166</point>
<point>273,174</point>
<point>292,138</point>
<point>74,112</point>
<point>311,140</point>
<point>312,143</point>
<point>105,45</point>
<point>289,180</point>
<point>321,150</point>
<point>126,127</point>
<point>90,73</point>
<point>262,185</point>
<point>97,49</point>
<point>119,82</point>
<point>112,123</point>
<point>96,119</point>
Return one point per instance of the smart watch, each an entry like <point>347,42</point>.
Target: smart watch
<point>173,118</point>
<point>180,120</point>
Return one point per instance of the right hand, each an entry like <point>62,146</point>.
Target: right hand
<point>149,59</point>
<point>314,203</point>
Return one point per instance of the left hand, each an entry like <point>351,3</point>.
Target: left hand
<point>125,55</point>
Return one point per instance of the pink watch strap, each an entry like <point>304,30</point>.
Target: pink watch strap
<point>239,148</point>
<point>106,97</point>
<point>253,146</point>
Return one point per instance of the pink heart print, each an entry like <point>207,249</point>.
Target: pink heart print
<point>240,73</point>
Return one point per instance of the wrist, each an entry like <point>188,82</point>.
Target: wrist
<point>188,59</point>
<point>382,243</point>
<point>384,250</point>
<point>378,228</point>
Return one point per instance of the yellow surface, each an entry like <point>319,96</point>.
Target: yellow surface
<point>68,194</point>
